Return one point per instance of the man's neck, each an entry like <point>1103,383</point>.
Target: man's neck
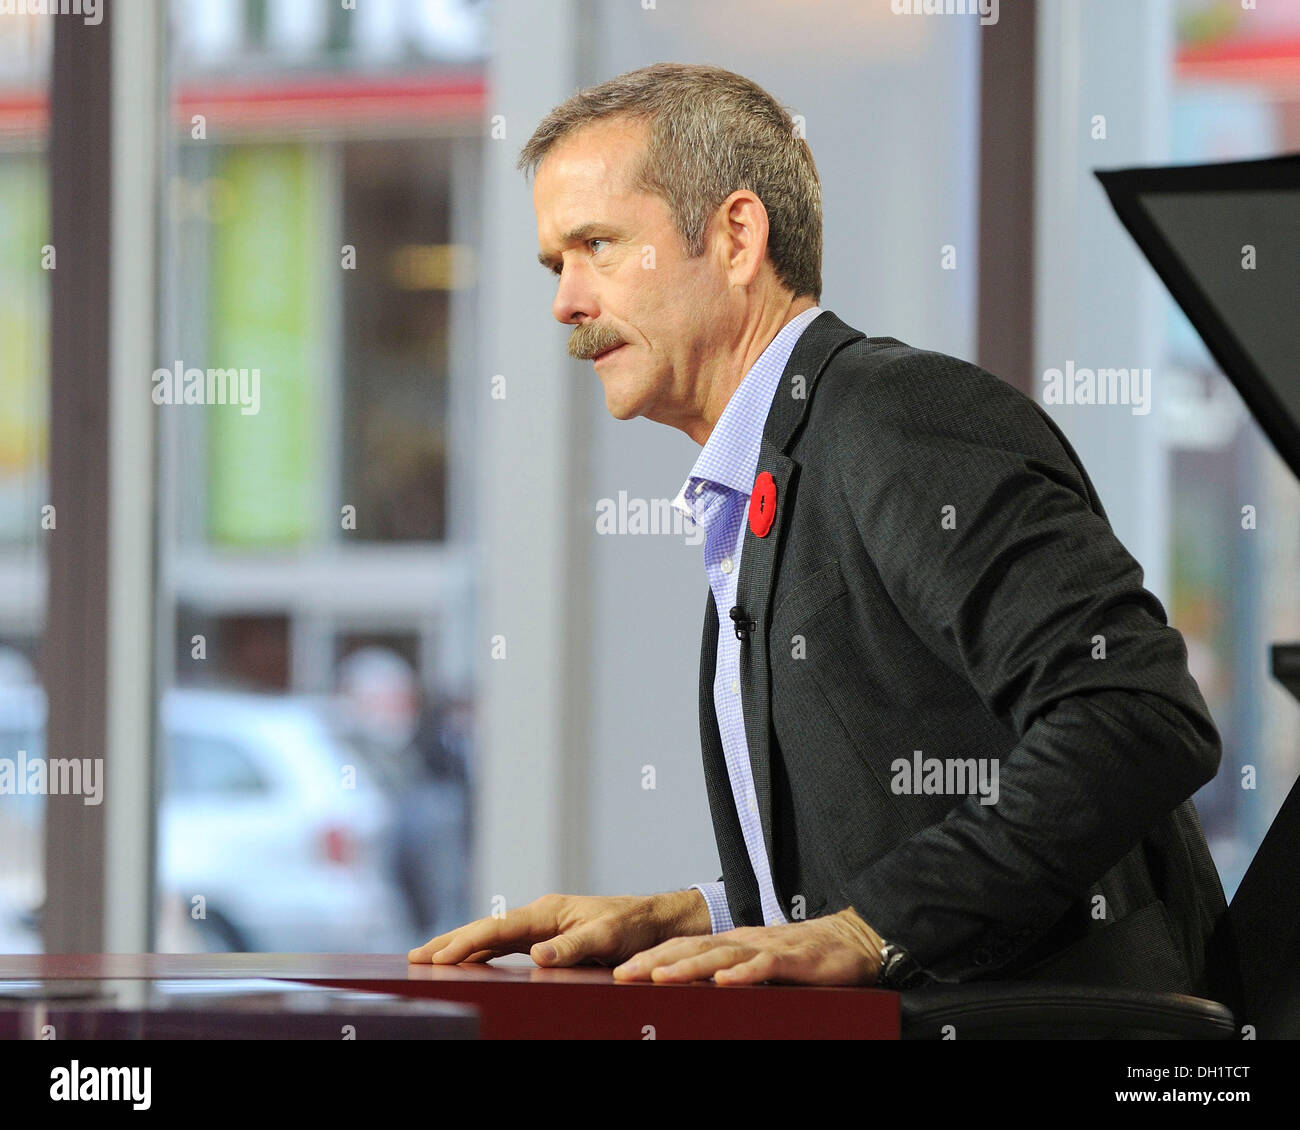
<point>753,342</point>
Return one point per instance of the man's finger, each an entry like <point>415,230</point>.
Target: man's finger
<point>701,966</point>
<point>482,955</point>
<point>421,953</point>
<point>765,966</point>
<point>583,943</point>
<point>479,956</point>
<point>513,933</point>
<point>638,967</point>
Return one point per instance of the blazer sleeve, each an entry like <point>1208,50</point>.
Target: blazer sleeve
<point>1018,587</point>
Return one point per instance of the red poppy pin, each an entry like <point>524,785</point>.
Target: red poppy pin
<point>762,504</point>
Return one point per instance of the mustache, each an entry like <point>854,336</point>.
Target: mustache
<point>587,341</point>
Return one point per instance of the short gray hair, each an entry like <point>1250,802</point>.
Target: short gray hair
<point>711,132</point>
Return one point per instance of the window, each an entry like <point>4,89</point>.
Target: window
<point>198,766</point>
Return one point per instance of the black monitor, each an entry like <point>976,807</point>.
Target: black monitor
<point>1225,240</point>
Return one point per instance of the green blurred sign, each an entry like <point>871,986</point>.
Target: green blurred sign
<point>266,296</point>
<point>24,342</point>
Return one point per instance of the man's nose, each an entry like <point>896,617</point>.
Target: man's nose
<point>573,297</point>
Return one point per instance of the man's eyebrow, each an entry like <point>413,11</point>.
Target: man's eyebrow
<point>575,235</point>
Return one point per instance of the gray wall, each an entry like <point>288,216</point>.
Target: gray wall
<point>1097,301</point>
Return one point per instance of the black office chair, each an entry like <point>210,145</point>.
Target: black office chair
<point>1253,968</point>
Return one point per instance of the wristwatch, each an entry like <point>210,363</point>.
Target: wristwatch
<point>898,969</point>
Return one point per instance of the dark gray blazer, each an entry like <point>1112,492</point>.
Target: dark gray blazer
<point>879,629</point>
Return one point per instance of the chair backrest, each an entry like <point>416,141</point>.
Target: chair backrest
<point>1254,960</point>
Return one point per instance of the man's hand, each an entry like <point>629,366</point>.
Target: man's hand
<point>557,930</point>
<point>840,949</point>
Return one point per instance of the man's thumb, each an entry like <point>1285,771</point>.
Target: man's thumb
<point>563,949</point>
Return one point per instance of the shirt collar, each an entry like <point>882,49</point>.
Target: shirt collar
<point>729,457</point>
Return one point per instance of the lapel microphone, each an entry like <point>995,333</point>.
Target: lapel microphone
<point>744,625</point>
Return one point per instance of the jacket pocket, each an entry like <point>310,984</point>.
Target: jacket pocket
<point>822,587</point>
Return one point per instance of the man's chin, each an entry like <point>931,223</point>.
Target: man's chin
<point>620,406</point>
<point>620,410</point>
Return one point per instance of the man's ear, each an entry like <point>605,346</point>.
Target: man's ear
<point>744,229</point>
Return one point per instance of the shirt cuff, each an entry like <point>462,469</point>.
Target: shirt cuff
<point>716,899</point>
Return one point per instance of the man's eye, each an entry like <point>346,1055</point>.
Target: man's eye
<point>558,268</point>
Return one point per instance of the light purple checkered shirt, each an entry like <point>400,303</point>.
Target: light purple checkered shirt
<point>716,496</point>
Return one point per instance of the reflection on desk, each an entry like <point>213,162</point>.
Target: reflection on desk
<point>228,1008</point>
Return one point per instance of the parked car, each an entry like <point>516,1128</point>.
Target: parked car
<point>271,835</point>
<point>22,847</point>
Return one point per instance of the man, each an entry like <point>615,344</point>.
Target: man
<point>947,734</point>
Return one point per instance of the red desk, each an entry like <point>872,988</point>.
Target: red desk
<point>517,1000</point>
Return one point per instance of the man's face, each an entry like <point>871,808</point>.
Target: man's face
<point>624,280</point>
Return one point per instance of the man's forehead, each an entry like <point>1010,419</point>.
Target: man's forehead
<point>581,186</point>
<point>596,161</point>
<point>601,146</point>
<point>581,171</point>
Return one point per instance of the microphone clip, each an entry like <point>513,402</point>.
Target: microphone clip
<point>743,624</point>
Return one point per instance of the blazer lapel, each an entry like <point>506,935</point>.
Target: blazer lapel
<point>741,885</point>
<point>758,562</point>
<point>761,556</point>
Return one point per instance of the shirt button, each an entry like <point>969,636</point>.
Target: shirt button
<point>725,564</point>
<point>699,487</point>
<point>753,805</point>
<point>735,686</point>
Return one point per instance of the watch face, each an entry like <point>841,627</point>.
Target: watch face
<point>897,969</point>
